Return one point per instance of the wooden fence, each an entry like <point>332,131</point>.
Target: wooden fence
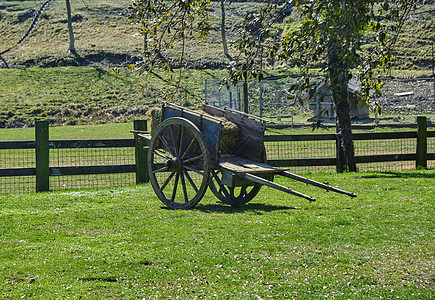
<point>42,170</point>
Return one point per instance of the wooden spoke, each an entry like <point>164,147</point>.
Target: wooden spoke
<point>174,141</point>
<point>165,143</point>
<point>186,174</point>
<point>194,170</point>
<point>187,161</point>
<point>165,168</point>
<point>174,192</point>
<point>161,155</point>
<point>183,185</point>
<point>188,149</point>
<point>181,140</point>
<point>167,181</point>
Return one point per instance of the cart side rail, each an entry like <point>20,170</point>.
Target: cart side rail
<point>250,142</point>
<point>210,127</point>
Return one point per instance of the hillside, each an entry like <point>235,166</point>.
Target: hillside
<point>45,81</point>
<point>104,36</point>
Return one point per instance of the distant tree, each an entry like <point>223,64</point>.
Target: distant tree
<point>223,31</point>
<point>329,31</point>
<point>167,25</point>
<point>71,47</point>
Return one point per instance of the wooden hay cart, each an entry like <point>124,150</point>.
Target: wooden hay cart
<point>186,155</point>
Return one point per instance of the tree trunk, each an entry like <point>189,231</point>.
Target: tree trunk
<point>71,47</point>
<point>339,75</point>
<point>224,37</point>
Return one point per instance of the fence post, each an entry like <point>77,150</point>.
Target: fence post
<point>42,156</point>
<point>339,154</point>
<point>421,160</point>
<point>261,99</point>
<point>205,92</point>
<point>141,154</point>
<point>245,97</point>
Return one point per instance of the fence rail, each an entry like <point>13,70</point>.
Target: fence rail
<point>62,164</point>
<point>332,161</point>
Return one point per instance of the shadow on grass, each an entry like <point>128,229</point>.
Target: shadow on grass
<point>258,208</point>
<point>399,175</point>
<point>105,279</point>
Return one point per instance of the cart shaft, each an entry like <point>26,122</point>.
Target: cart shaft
<point>271,184</point>
<point>315,183</point>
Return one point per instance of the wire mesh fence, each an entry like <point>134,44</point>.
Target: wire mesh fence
<point>311,149</point>
<point>431,149</point>
<point>91,181</point>
<point>17,158</point>
<point>17,184</point>
<point>272,99</point>
<point>21,157</point>
<point>83,157</point>
<point>382,146</point>
<point>300,148</point>
<point>24,161</point>
<point>267,98</point>
<point>325,149</point>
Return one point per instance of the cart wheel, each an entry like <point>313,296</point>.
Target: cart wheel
<point>238,195</point>
<point>178,163</point>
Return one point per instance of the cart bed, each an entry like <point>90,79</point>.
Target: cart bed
<point>242,165</point>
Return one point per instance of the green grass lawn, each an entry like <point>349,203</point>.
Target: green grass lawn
<point>77,132</point>
<point>121,243</point>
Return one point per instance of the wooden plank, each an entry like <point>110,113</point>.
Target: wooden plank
<point>242,165</point>
<point>88,170</point>
<point>385,158</point>
<point>299,137</point>
<point>316,183</point>
<point>251,133</point>
<point>276,186</point>
<point>108,143</point>
<point>13,172</point>
<point>355,136</point>
<point>305,162</point>
<point>18,145</point>
<point>145,137</point>
<point>384,135</point>
<point>209,126</point>
<point>404,94</point>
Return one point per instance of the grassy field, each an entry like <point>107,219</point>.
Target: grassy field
<point>121,243</point>
<point>85,95</point>
<point>76,132</point>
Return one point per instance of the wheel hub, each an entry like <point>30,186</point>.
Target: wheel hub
<point>175,164</point>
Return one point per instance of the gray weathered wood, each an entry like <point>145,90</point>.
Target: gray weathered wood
<point>276,186</point>
<point>315,183</point>
<point>251,133</point>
